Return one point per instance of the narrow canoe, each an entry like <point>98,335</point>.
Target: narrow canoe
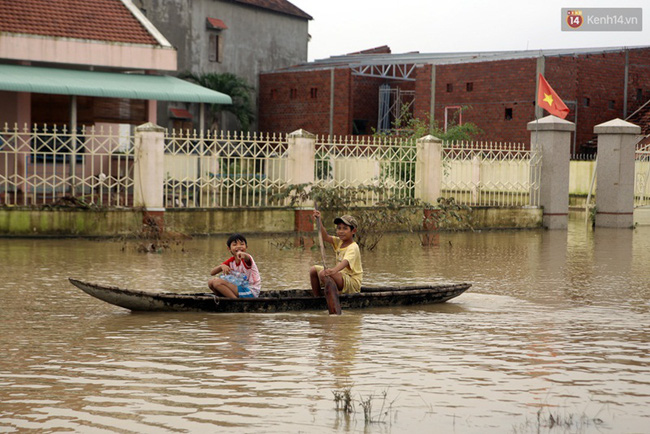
<point>270,301</point>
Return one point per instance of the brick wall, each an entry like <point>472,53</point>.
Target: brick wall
<point>601,79</point>
<point>500,94</point>
<point>422,105</point>
<point>488,89</point>
<point>293,100</point>
<point>638,79</point>
<point>366,103</point>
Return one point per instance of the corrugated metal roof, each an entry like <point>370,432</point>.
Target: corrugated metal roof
<point>355,60</point>
<point>35,79</point>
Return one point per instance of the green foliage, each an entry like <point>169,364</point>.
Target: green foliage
<point>411,129</point>
<point>233,86</point>
<point>388,214</point>
<point>415,128</point>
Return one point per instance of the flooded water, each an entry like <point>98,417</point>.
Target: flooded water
<point>552,337</point>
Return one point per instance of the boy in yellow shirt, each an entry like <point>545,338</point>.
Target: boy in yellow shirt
<point>348,272</point>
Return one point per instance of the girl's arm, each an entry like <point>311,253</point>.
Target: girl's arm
<point>216,270</point>
<point>221,268</point>
<point>245,257</point>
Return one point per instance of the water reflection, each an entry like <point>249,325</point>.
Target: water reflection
<point>555,319</point>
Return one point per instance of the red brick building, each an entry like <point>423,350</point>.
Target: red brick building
<point>342,95</point>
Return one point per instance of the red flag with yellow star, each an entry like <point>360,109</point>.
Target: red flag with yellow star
<point>549,101</point>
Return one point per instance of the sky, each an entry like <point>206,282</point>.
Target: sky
<point>441,26</point>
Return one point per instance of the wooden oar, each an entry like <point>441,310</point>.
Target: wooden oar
<point>331,291</point>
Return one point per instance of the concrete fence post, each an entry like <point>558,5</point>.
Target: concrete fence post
<point>428,169</point>
<point>476,179</point>
<point>301,163</point>
<point>148,176</point>
<point>615,173</point>
<point>552,137</point>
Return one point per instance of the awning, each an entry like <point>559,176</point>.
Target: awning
<point>215,24</point>
<point>180,113</point>
<point>16,78</point>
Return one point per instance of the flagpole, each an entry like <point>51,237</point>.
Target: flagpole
<point>536,144</point>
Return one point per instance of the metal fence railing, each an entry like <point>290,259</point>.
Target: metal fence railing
<point>225,170</point>
<point>491,174</point>
<point>45,165</point>
<point>371,162</point>
<point>50,165</point>
<point>642,175</point>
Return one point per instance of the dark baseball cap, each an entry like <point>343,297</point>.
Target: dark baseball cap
<point>347,220</point>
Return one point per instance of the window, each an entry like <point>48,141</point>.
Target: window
<point>469,86</point>
<point>639,94</point>
<point>215,48</point>
<point>313,92</point>
<point>450,87</point>
<point>293,93</point>
<point>359,126</point>
<point>508,115</point>
<point>274,93</point>
<point>586,101</point>
<point>612,104</point>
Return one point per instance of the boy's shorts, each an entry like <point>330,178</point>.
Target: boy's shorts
<point>350,285</point>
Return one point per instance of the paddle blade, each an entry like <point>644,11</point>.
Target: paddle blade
<point>332,297</point>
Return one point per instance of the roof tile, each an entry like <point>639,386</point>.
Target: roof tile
<point>102,20</point>
<point>282,6</point>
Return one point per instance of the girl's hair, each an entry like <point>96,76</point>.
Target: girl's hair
<point>236,237</point>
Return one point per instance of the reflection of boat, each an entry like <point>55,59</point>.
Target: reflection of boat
<point>271,301</point>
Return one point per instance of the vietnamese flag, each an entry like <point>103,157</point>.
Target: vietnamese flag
<point>549,101</point>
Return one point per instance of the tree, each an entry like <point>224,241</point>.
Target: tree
<point>415,128</point>
<point>233,86</point>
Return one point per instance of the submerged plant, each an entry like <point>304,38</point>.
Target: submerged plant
<point>550,420</point>
<point>388,213</point>
<point>343,400</point>
<point>345,403</point>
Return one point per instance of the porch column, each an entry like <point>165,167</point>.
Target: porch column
<point>23,123</point>
<point>152,111</point>
<point>552,137</point>
<point>148,174</point>
<point>615,173</point>
<point>300,170</point>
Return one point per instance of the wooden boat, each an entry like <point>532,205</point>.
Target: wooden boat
<point>270,301</point>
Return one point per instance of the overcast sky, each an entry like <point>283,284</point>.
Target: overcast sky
<point>433,26</point>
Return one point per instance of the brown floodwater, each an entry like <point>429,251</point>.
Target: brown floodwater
<point>555,330</point>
